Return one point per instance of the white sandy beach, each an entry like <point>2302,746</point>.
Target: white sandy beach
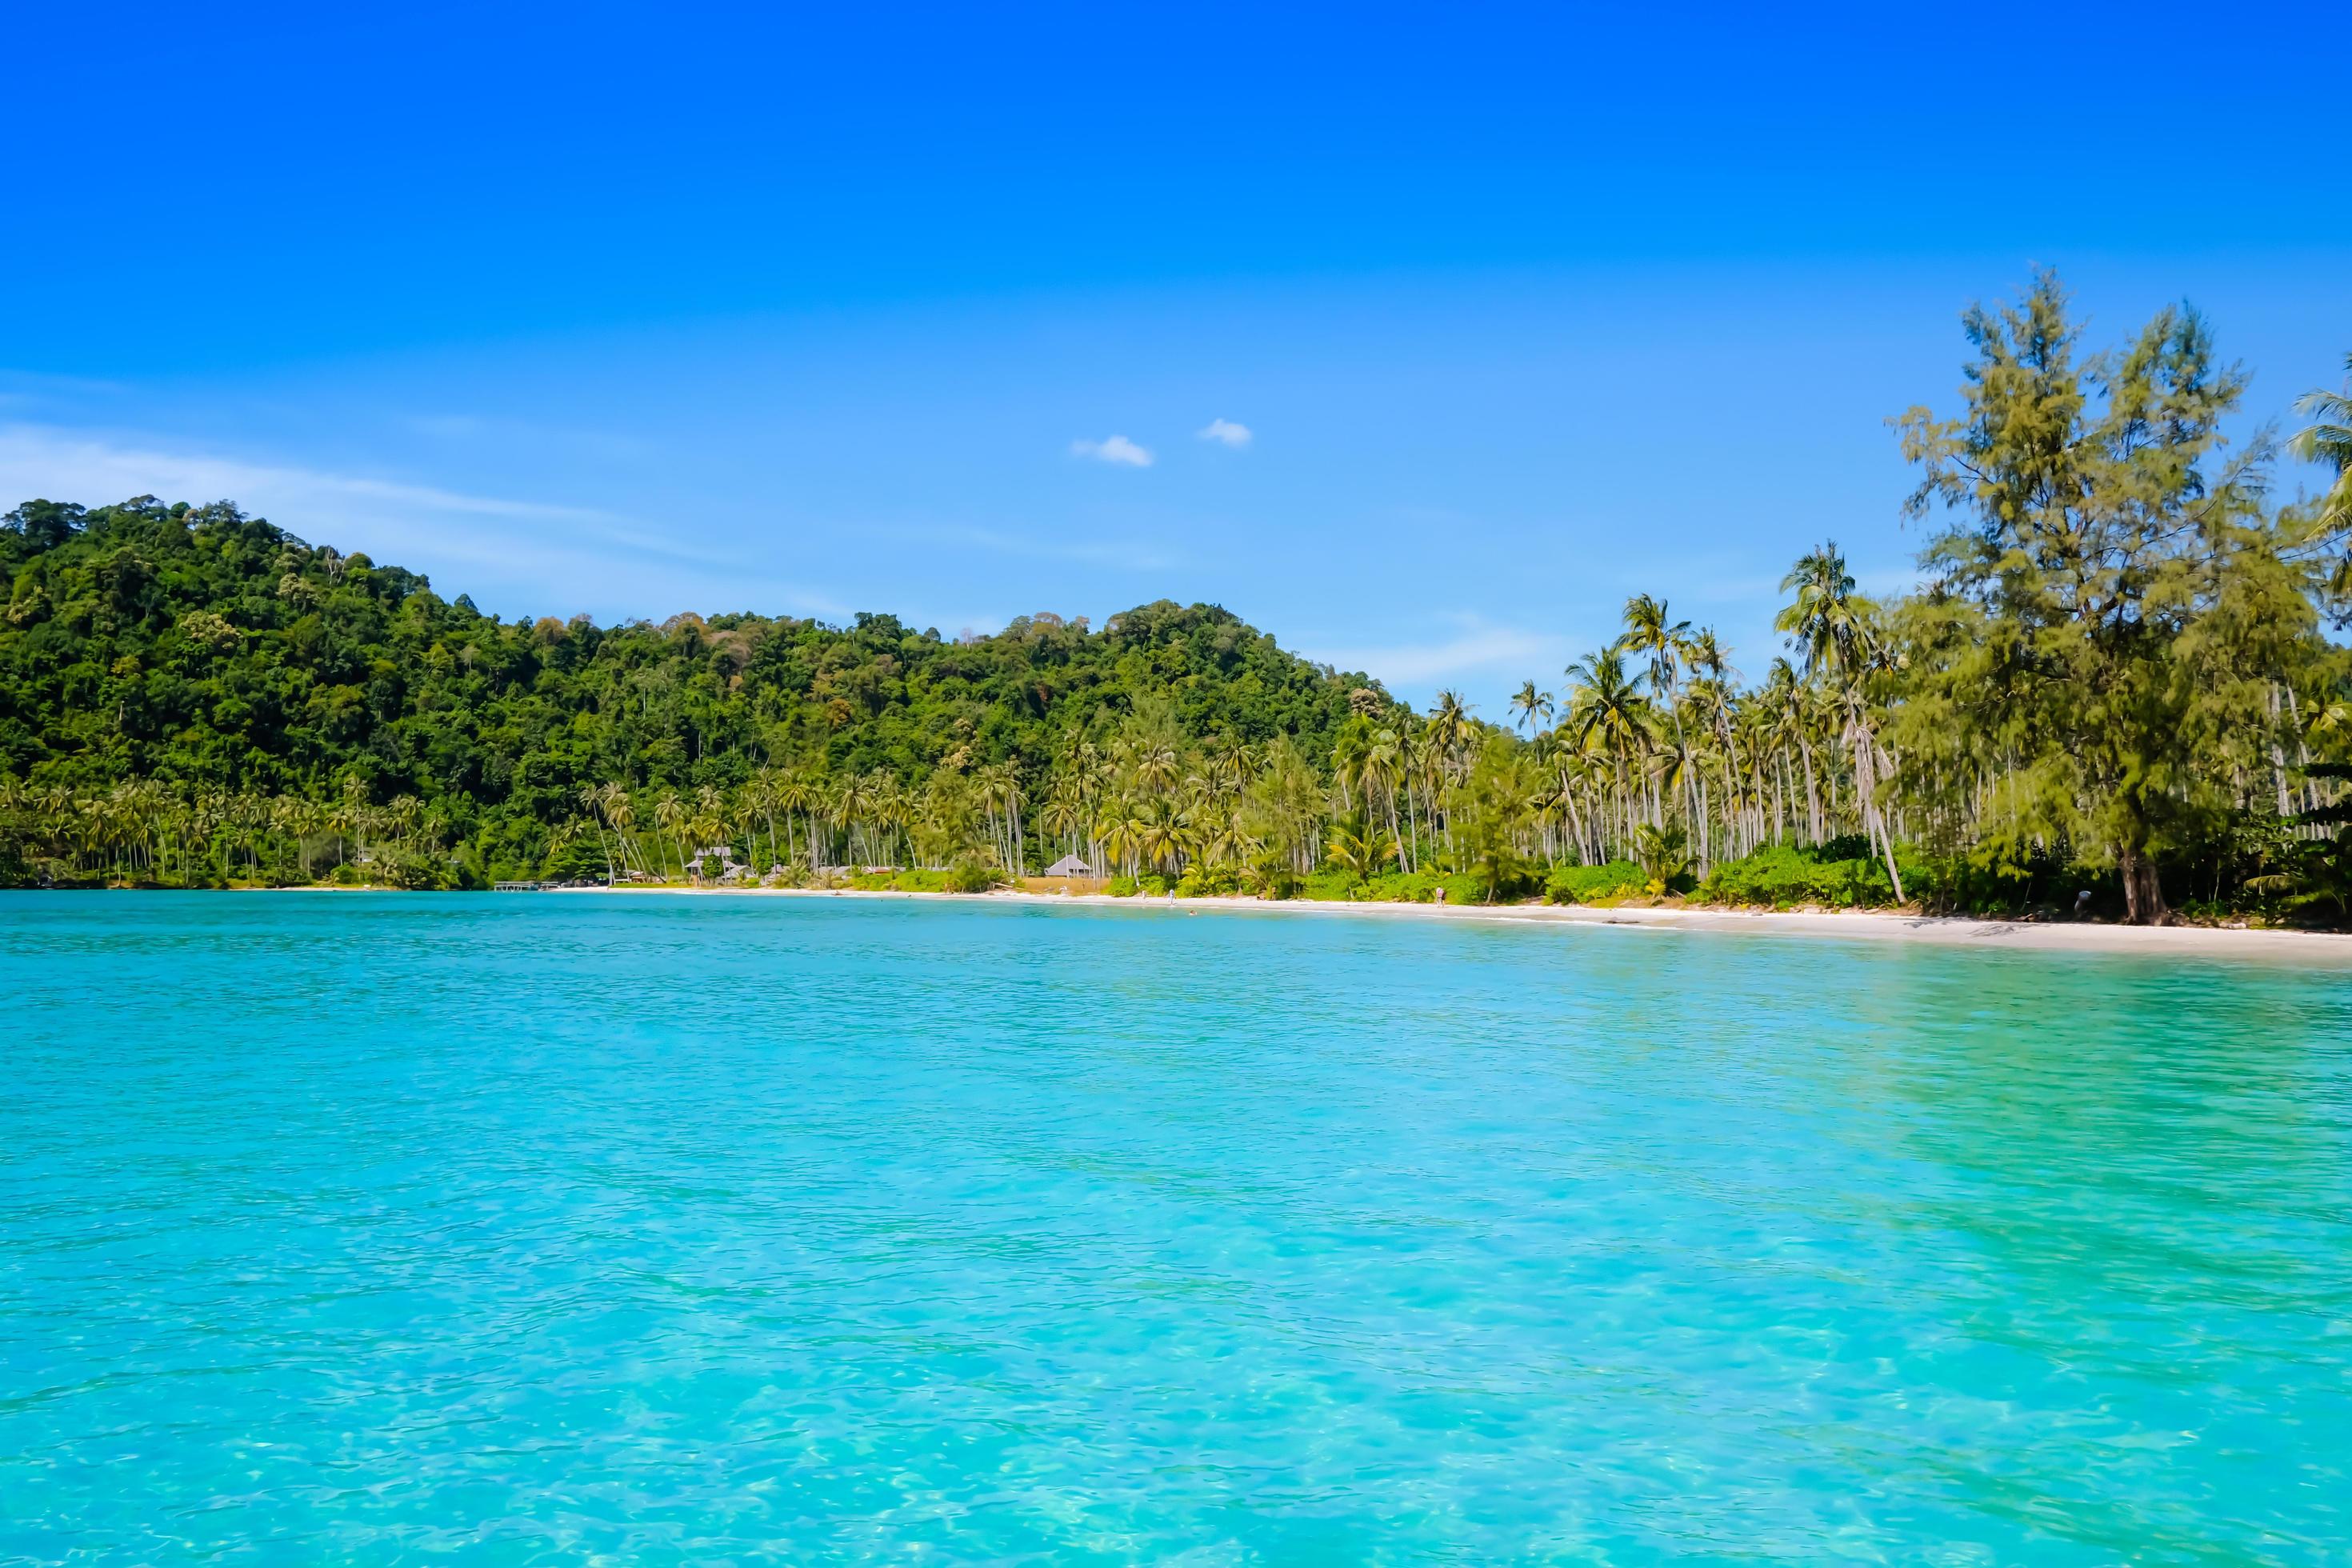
<point>2183,941</point>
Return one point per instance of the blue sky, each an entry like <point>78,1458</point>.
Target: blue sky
<point>1521,311</point>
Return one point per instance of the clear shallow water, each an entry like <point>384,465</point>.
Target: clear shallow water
<point>666,1230</point>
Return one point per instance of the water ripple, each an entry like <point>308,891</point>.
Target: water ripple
<point>564,1230</point>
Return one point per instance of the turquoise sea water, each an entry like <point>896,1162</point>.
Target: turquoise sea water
<point>643,1229</point>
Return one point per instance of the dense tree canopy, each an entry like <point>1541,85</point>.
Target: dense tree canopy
<point>210,651</point>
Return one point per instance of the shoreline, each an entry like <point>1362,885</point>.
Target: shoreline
<point>1867,925</point>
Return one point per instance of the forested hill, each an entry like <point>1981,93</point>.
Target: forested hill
<point>211,650</point>
<point>2117,679</point>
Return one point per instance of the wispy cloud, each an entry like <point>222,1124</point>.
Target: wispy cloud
<point>572,554</point>
<point>78,466</point>
<point>1113,449</point>
<point>448,427</point>
<point>1477,647</point>
<point>1127,555</point>
<point>1742,591</point>
<point>1226,433</point>
<point>508,433</point>
<point>30,385</point>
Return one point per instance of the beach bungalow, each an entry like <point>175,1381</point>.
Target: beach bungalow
<point>1069,865</point>
<point>723,853</point>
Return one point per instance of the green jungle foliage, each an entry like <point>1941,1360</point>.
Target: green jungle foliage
<point>217,663</point>
<point>2113,693</point>
<point>1595,884</point>
<point>1837,875</point>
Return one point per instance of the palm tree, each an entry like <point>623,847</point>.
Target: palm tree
<point>593,796</point>
<point>1829,621</point>
<point>1014,797</point>
<point>210,814</point>
<point>890,809</point>
<point>2328,439</point>
<point>1230,842</point>
<point>1120,835</point>
<point>1533,706</point>
<point>1832,623</point>
<point>1662,854</point>
<point>1065,814</point>
<point>1710,667</point>
<point>1427,770</point>
<point>290,817</point>
<point>670,816</point>
<point>1230,762</point>
<point>1786,716</point>
<point>799,790</point>
<point>1380,769</point>
<point>712,823</point>
<point>1450,726</point>
<point>355,804</point>
<point>404,814</point>
<point>1361,848</point>
<point>999,791</point>
<point>621,811</point>
<point>568,832</point>
<point>1650,630</point>
<point>759,798</point>
<point>1156,767</point>
<point>848,808</point>
<point>1446,743</point>
<point>1608,714</point>
<point>1348,758</point>
<point>1091,776</point>
<point>1163,835</point>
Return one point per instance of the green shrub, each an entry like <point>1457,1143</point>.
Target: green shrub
<point>1276,882</point>
<point>583,859</point>
<point>971,875</point>
<point>1779,876</point>
<point>2012,878</point>
<point>1586,884</point>
<point>966,875</point>
<point>1122,888</point>
<point>1200,881</point>
<point>415,873</point>
<point>1329,886</point>
<point>1422,887</point>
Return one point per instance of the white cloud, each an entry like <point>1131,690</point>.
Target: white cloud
<point>1479,645</point>
<point>1113,449</point>
<point>1225,432</point>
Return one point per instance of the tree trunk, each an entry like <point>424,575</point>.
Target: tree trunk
<point>2143,895</point>
<point>1812,793</point>
<point>1885,842</point>
<point>2302,754</point>
<point>1575,820</point>
<point>2278,756</point>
